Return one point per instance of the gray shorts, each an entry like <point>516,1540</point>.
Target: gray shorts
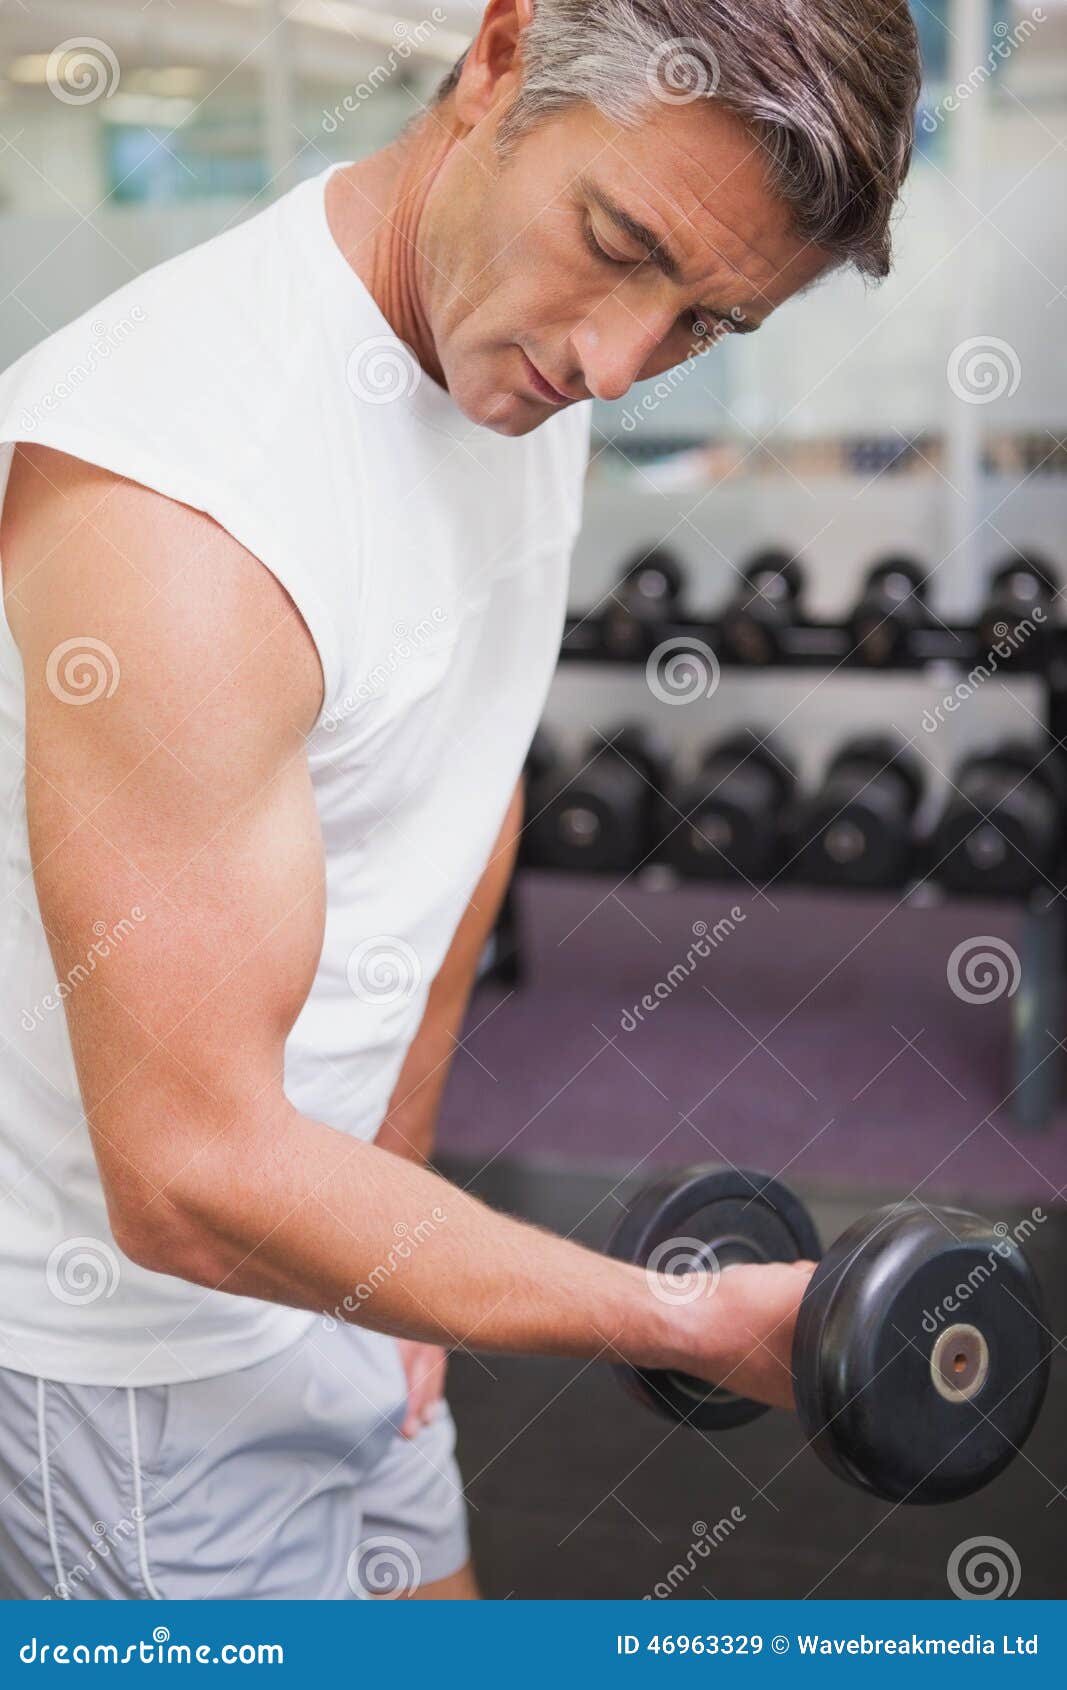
<point>286,1479</point>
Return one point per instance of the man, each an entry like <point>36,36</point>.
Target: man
<point>284,583</point>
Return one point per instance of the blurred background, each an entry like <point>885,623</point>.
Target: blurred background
<point>835,1036</point>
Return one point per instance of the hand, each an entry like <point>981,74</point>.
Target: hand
<point>424,1369</point>
<point>742,1333</point>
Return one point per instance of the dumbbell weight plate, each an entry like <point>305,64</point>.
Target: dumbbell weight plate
<point>1018,588</point>
<point>646,596</point>
<point>734,809</point>
<point>708,1217</point>
<point>856,831</point>
<point>920,1357</point>
<point>1002,828</point>
<point>890,610</point>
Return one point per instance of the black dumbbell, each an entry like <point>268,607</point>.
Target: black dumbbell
<point>920,1356</point>
<point>503,956</point>
<point>1021,586</point>
<point>857,829</point>
<point>1002,830</point>
<point>765,604</point>
<point>542,758</point>
<point>541,770</point>
<point>891,608</point>
<point>600,814</point>
<point>643,605</point>
<point>733,810</point>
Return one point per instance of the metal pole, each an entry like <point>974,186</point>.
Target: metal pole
<point>1037,1015</point>
<point>970,25</point>
<point>278,97</point>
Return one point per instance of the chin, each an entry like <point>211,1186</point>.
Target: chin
<point>505,414</point>
<point>498,409</point>
<point>515,418</point>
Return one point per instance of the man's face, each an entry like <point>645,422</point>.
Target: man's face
<point>540,287</point>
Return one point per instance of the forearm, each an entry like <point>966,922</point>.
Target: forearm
<point>296,1213</point>
<point>411,1119</point>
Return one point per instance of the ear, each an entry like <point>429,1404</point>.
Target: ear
<point>493,66</point>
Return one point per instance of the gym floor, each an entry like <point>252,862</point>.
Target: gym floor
<point>821,1040</point>
<point>881,1082</point>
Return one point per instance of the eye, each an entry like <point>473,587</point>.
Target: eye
<point>708,327</point>
<point>602,254</point>
<point>703,328</point>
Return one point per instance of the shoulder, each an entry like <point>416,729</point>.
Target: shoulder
<point>186,610</point>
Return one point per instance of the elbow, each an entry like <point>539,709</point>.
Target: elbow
<point>167,1205</point>
<point>160,1239</point>
<point>179,1207</point>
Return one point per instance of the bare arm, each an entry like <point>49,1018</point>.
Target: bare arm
<point>186,793</point>
<point>410,1121</point>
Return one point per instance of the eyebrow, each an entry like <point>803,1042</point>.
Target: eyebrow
<point>658,253</point>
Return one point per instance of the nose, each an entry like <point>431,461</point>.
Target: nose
<point>615,344</point>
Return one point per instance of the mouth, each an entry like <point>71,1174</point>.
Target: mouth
<point>542,386</point>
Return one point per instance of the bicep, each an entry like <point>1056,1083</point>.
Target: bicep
<point>173,834</point>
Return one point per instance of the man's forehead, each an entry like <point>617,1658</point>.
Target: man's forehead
<point>699,179</point>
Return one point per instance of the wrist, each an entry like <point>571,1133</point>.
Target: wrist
<point>680,1325</point>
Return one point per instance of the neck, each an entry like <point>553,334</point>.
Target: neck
<point>380,217</point>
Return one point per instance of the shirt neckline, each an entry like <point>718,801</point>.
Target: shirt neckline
<point>431,402</point>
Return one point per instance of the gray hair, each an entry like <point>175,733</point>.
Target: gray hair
<point>827,88</point>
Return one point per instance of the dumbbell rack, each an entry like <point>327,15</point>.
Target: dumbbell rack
<point>807,645</point>
<point>1037,1006</point>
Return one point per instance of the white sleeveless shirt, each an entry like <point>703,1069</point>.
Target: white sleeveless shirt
<point>254,378</point>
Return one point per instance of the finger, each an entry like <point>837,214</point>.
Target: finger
<point>431,1379</point>
<point>422,1397</point>
<point>418,1417</point>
